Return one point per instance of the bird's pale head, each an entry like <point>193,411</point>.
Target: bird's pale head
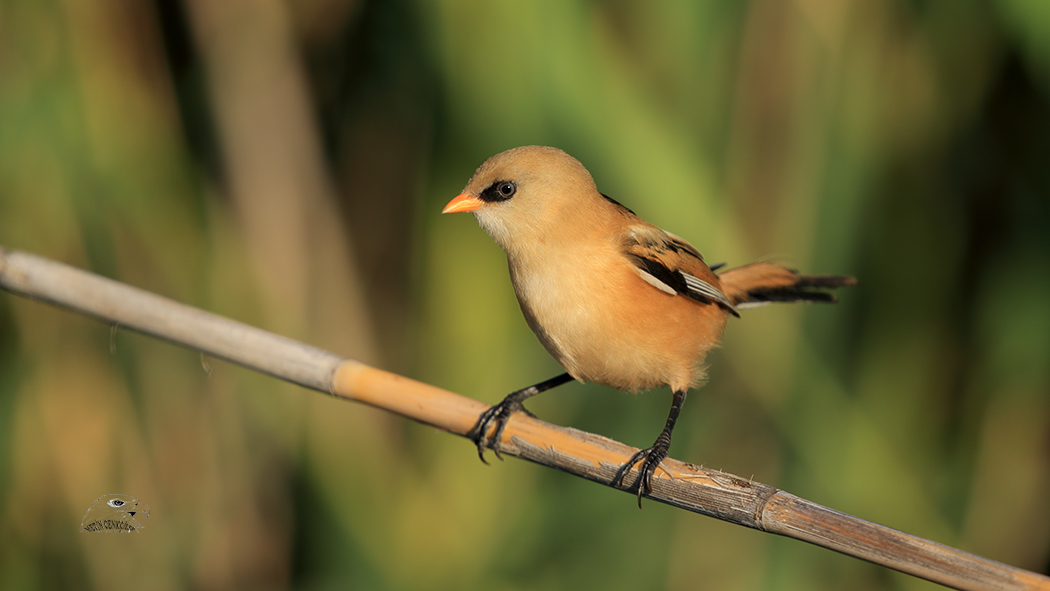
<point>527,194</point>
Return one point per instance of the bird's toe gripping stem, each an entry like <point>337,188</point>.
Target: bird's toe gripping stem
<point>498,414</point>
<point>650,459</point>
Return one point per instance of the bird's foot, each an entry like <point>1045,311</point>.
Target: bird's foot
<point>650,459</point>
<point>498,414</point>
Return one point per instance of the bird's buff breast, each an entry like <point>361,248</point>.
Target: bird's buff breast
<point>607,326</point>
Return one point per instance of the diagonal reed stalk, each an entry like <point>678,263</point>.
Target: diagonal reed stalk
<point>708,492</point>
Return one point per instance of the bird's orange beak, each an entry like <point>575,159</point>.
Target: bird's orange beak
<point>463,202</point>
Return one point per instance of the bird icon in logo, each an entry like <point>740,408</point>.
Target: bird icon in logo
<point>114,513</point>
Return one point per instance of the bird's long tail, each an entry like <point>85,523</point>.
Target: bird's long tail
<point>758,284</point>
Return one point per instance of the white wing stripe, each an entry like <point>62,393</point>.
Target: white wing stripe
<point>655,282</point>
<point>707,290</point>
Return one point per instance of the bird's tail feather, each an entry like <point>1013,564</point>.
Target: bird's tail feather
<point>759,284</point>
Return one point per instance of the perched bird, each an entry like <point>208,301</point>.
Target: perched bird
<point>614,299</point>
<point>114,513</point>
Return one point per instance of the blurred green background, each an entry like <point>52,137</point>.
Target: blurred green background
<point>285,163</point>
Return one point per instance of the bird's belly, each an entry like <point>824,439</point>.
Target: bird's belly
<point>612,328</point>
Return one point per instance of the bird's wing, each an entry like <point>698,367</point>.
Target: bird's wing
<point>672,265</point>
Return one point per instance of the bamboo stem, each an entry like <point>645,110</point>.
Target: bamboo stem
<point>709,492</point>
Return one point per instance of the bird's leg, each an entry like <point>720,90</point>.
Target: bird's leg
<point>652,457</point>
<point>501,412</point>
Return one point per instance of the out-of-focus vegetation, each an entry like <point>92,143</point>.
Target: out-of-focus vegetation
<point>285,164</point>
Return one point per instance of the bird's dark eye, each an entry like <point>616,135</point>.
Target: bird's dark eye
<point>499,191</point>
<point>116,503</point>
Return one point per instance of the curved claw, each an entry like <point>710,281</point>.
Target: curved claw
<point>651,459</point>
<point>499,414</point>
<point>477,434</point>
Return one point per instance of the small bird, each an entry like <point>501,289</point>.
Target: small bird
<point>614,299</point>
<point>114,513</point>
